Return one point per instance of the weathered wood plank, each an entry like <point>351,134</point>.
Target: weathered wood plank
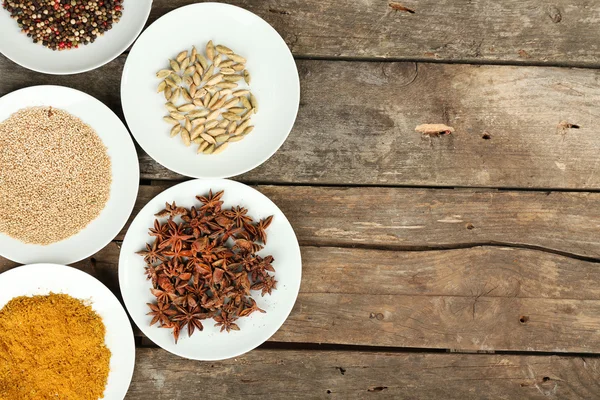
<point>527,31</point>
<point>357,124</point>
<point>421,218</point>
<point>360,375</point>
<point>468,299</point>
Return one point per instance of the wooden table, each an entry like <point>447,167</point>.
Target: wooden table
<point>460,266</point>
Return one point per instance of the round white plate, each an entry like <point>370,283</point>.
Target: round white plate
<point>19,48</point>
<point>125,175</point>
<point>210,344</point>
<point>275,84</point>
<point>41,279</point>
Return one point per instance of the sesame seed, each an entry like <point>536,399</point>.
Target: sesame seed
<point>55,175</point>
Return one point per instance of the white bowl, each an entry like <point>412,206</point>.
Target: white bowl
<point>125,175</point>
<point>41,279</point>
<point>275,83</point>
<point>21,49</point>
<point>210,344</point>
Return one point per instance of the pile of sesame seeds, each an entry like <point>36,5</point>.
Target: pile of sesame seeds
<point>55,175</point>
<point>64,24</point>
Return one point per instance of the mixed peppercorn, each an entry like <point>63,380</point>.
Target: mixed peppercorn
<point>64,24</point>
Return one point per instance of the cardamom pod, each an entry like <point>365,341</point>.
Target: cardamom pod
<point>174,65</point>
<point>209,149</point>
<point>181,56</point>
<point>220,148</point>
<point>208,138</point>
<point>210,50</point>
<point>163,73</point>
<point>202,146</point>
<point>186,107</point>
<point>237,58</point>
<point>185,136</point>
<point>175,130</point>
<point>224,49</point>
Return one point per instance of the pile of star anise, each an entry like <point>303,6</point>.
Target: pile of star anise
<point>206,266</point>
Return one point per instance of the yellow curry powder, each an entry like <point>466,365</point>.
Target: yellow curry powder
<point>52,347</point>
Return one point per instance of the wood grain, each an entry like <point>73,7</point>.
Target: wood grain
<point>524,32</point>
<point>357,122</point>
<point>478,299</point>
<point>402,218</point>
<point>359,375</point>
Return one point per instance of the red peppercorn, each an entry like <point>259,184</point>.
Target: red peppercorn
<point>61,45</point>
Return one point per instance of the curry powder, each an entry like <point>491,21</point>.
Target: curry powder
<point>52,347</point>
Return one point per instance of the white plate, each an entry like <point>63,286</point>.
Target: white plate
<point>275,84</point>
<point>125,175</point>
<point>41,279</point>
<point>210,344</point>
<point>21,49</point>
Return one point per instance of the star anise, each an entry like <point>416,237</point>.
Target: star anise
<point>160,313</point>
<point>197,272</point>
<point>152,254</point>
<point>152,272</point>
<point>211,202</point>
<point>250,307</point>
<point>263,224</point>
<point>171,210</point>
<point>176,236</point>
<point>163,297</point>
<point>267,285</point>
<point>159,230</point>
<point>191,318</point>
<point>225,321</point>
<point>238,215</point>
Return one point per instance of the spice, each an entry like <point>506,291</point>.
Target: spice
<point>55,175</point>
<point>52,347</point>
<point>206,266</point>
<point>207,89</point>
<point>64,24</point>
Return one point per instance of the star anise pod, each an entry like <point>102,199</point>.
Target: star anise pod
<point>267,285</point>
<point>238,215</point>
<point>163,297</point>
<point>152,272</point>
<point>250,307</point>
<point>176,329</point>
<point>152,254</point>
<point>165,283</point>
<point>263,224</point>
<point>225,321</point>
<point>247,245</point>
<point>211,202</point>
<point>159,230</point>
<point>201,272</point>
<point>176,236</point>
<point>160,313</point>
<point>192,318</point>
<point>171,210</point>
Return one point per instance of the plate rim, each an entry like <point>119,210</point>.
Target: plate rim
<point>122,256</point>
<point>94,249</point>
<point>130,335</point>
<point>297,88</point>
<point>121,50</point>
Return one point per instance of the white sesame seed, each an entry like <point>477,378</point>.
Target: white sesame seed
<point>55,175</point>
